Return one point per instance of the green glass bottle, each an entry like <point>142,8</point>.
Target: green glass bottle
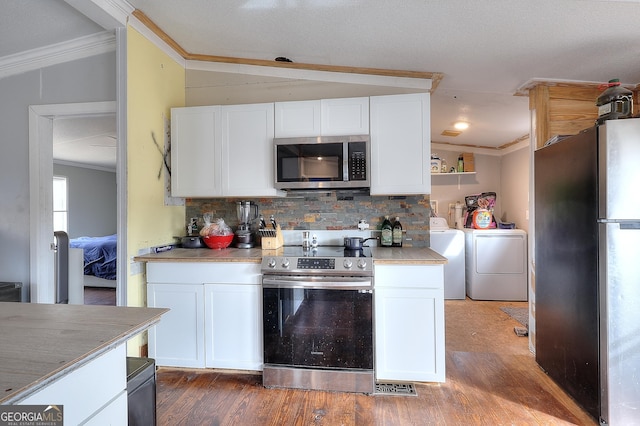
<point>386,240</point>
<point>397,233</point>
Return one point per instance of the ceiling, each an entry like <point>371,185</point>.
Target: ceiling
<point>485,50</point>
<point>87,141</point>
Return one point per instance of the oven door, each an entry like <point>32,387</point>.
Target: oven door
<point>318,325</point>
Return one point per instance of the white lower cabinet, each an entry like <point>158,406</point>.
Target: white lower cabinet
<point>177,340</point>
<point>234,338</point>
<point>409,323</point>
<point>94,393</point>
<point>215,318</point>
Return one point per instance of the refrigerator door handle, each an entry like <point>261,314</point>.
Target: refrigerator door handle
<point>632,225</point>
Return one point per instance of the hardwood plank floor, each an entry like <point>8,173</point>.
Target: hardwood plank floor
<point>492,379</point>
<point>99,296</point>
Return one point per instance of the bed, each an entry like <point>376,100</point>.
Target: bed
<point>100,255</point>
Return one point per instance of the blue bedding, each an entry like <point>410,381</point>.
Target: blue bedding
<point>99,255</point>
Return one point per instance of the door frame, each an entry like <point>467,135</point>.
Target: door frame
<point>41,251</point>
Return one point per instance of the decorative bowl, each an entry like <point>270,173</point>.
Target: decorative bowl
<point>218,241</point>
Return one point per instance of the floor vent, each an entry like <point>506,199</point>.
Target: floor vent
<point>401,389</point>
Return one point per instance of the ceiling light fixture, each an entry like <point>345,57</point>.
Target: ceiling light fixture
<point>461,125</point>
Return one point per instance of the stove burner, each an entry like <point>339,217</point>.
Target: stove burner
<point>356,253</point>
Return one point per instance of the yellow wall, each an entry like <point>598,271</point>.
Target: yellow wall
<point>155,83</point>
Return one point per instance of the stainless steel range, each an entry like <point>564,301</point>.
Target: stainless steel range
<point>317,319</point>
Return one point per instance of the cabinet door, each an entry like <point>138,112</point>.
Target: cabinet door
<point>247,151</point>
<point>400,144</point>
<point>178,339</point>
<point>409,322</point>
<point>409,334</point>
<point>347,116</point>
<point>296,119</point>
<point>88,391</point>
<point>115,413</point>
<point>233,326</point>
<point>196,152</point>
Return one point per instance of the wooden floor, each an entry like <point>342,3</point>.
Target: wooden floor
<point>492,379</point>
<point>99,296</point>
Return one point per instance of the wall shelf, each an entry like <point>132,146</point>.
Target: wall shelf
<point>458,174</point>
<point>453,174</point>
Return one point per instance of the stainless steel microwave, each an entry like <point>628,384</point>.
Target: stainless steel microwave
<point>322,162</point>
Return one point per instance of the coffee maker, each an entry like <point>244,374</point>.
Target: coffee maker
<point>247,213</point>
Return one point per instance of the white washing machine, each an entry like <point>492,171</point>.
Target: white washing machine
<point>450,244</point>
<point>496,264</point>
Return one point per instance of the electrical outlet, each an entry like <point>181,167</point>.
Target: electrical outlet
<point>434,207</point>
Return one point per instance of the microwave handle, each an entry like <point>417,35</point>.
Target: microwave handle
<point>345,161</point>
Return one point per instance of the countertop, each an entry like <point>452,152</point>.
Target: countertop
<point>40,343</point>
<point>381,255</point>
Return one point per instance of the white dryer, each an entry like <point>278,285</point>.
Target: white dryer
<point>450,244</point>
<point>496,264</point>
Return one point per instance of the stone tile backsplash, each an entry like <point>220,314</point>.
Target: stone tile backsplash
<point>327,211</point>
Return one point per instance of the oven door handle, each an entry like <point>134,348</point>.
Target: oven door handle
<point>337,283</point>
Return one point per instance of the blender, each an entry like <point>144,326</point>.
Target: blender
<point>247,213</point>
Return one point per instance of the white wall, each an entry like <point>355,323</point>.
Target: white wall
<point>92,201</point>
<point>514,179</point>
<point>447,189</point>
<point>507,175</point>
<point>85,80</point>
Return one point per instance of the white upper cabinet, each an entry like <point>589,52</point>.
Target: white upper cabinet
<point>299,118</point>
<point>400,144</point>
<point>196,151</point>
<point>349,116</point>
<point>223,151</point>
<point>326,117</point>
<point>247,151</point>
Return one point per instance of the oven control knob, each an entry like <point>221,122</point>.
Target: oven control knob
<point>271,262</point>
<point>285,263</point>
<point>362,263</point>
<point>347,264</point>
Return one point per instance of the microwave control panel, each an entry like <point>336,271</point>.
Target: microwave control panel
<point>357,161</point>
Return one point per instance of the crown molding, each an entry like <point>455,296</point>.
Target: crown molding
<point>42,57</point>
<point>151,34</point>
<point>85,166</point>
<point>310,74</point>
<point>498,151</point>
<point>109,14</point>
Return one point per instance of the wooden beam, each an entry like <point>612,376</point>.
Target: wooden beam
<point>435,77</point>
<point>539,104</point>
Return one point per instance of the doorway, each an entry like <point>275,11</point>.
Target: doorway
<point>41,123</point>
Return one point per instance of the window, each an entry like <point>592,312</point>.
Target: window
<point>60,209</point>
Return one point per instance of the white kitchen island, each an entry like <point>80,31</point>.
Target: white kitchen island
<point>69,355</point>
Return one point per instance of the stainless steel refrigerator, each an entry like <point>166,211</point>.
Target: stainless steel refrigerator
<point>587,266</point>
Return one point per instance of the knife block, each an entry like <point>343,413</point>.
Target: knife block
<point>270,241</point>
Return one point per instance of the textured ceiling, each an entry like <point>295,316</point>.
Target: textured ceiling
<point>485,50</point>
